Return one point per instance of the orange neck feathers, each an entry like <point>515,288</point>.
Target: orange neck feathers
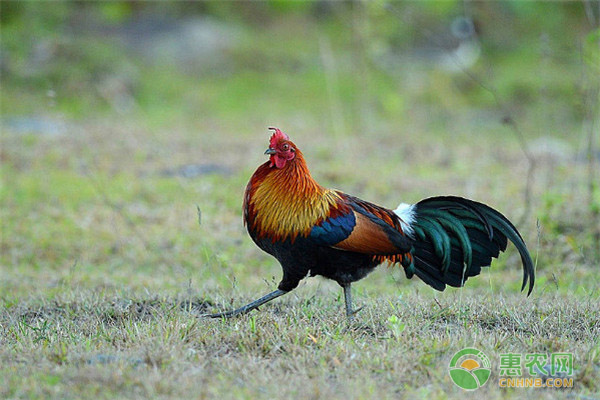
<point>283,203</point>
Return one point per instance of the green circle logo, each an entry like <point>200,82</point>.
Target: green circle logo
<point>470,369</point>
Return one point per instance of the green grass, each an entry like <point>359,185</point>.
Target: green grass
<point>105,269</point>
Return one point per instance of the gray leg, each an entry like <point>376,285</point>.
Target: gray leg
<point>348,297</point>
<point>248,307</point>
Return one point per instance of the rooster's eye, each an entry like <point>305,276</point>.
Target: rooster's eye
<point>285,147</point>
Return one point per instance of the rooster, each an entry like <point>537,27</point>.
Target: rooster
<point>312,231</point>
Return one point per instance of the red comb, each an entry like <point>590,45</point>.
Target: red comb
<point>277,136</point>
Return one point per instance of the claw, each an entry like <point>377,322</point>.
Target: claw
<point>357,310</point>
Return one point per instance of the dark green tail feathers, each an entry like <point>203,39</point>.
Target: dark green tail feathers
<point>455,237</point>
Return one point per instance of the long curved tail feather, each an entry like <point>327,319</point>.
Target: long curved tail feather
<point>455,237</point>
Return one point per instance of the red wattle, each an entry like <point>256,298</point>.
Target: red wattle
<point>279,162</point>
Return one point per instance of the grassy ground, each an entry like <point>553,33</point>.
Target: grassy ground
<point>105,267</point>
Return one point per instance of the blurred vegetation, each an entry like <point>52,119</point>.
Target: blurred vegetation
<point>119,118</point>
<point>185,73</point>
<point>88,54</point>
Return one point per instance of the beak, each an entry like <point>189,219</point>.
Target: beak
<point>270,151</point>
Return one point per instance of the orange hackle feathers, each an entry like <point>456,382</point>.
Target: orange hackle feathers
<point>284,203</point>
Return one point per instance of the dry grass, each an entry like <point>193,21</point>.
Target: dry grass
<point>88,344</point>
<point>109,271</point>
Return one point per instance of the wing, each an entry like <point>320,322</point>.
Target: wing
<point>362,227</point>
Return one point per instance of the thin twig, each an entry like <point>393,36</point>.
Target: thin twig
<point>592,183</point>
<point>331,83</point>
<point>507,119</point>
<point>590,101</point>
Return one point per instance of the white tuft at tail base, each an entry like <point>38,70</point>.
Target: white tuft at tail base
<point>406,212</point>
